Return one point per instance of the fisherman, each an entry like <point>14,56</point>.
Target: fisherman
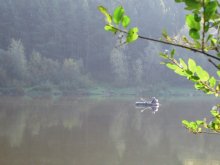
<point>154,100</point>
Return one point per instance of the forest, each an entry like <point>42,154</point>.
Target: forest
<point>60,46</point>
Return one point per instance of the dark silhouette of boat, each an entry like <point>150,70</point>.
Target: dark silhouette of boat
<point>153,105</point>
<point>145,103</point>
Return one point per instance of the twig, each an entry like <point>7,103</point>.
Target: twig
<point>203,26</point>
<point>216,133</point>
<point>175,62</point>
<point>181,46</point>
<point>218,33</point>
<point>170,43</point>
<point>214,64</point>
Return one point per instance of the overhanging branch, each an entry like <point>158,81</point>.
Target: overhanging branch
<point>181,46</point>
<point>170,43</point>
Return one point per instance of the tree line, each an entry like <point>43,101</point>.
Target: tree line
<point>19,71</point>
<point>39,39</point>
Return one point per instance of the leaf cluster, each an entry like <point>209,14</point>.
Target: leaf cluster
<point>193,126</point>
<point>193,72</point>
<point>215,123</point>
<point>202,126</point>
<point>119,18</point>
<point>204,16</point>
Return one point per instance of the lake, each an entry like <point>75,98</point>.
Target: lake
<point>103,131</point>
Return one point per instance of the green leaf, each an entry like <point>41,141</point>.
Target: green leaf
<point>214,113</point>
<point>210,92</point>
<point>218,73</point>
<point>199,122</point>
<point>206,91</point>
<point>180,72</point>
<point>183,64</point>
<point>192,65</point>
<point>165,56</point>
<point>125,21</point>
<point>197,17</point>
<point>212,82</point>
<point>171,66</point>
<point>202,74</point>
<point>194,34</point>
<point>210,9</point>
<point>193,4</point>
<point>172,53</point>
<point>192,23</point>
<point>193,126</point>
<point>185,123</point>
<point>216,127</point>
<point>118,14</point>
<point>199,86</point>
<point>213,41</point>
<point>104,11</point>
<point>206,2</point>
<point>194,79</point>
<point>189,73</point>
<point>110,28</point>
<point>132,35</point>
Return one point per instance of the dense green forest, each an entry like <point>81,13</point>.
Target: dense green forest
<point>60,44</point>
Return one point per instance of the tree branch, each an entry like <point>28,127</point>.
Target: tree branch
<point>215,133</point>
<point>181,46</point>
<point>170,43</point>
<point>203,25</point>
<point>214,64</point>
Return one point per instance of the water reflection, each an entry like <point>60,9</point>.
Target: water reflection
<point>152,105</point>
<point>153,109</point>
<point>80,131</point>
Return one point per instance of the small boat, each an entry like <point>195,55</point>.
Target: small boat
<point>144,103</point>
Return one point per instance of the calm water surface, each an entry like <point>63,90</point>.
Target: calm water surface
<point>83,131</point>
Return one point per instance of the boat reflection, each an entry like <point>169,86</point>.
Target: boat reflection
<point>152,105</point>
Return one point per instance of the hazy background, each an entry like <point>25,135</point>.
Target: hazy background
<point>61,46</point>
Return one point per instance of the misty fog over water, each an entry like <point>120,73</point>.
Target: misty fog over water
<point>80,131</point>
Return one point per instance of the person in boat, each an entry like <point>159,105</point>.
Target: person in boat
<point>154,100</point>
